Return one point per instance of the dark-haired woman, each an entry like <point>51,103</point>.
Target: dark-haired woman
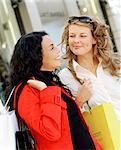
<point>45,105</point>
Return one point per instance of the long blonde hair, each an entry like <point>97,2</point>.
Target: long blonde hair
<point>102,49</point>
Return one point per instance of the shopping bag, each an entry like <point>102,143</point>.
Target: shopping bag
<point>24,138</point>
<point>8,128</point>
<point>14,133</point>
<point>105,126</point>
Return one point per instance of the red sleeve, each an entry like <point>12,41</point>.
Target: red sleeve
<point>41,110</point>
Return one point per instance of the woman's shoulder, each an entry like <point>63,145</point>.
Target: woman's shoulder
<point>27,90</point>
<point>68,79</point>
<point>65,72</point>
<point>111,78</point>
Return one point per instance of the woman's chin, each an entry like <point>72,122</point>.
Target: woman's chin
<point>57,65</point>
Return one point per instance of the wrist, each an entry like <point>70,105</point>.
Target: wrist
<point>79,102</point>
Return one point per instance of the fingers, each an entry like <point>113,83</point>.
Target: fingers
<point>37,84</point>
<point>87,83</point>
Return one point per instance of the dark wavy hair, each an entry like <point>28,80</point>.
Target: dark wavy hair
<point>26,60</point>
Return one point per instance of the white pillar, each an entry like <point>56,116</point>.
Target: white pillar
<point>33,14</point>
<point>9,29</point>
<point>114,15</point>
<point>72,8</point>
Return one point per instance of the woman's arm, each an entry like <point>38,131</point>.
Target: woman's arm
<point>42,111</point>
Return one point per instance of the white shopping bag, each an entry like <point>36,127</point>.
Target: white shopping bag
<point>8,128</point>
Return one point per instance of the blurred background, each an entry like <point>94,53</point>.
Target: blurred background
<point>18,17</point>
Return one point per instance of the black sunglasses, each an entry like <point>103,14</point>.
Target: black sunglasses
<point>83,19</point>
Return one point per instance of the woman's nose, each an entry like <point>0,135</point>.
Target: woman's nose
<point>58,49</point>
<point>76,39</point>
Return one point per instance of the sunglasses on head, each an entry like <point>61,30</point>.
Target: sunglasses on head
<point>82,19</point>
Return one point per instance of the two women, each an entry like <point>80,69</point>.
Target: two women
<point>93,69</point>
<point>45,104</point>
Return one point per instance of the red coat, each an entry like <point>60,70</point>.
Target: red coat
<point>45,114</point>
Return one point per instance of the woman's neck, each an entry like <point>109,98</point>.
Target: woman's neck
<point>88,62</point>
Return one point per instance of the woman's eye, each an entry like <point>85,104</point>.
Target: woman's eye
<point>71,36</point>
<point>83,35</point>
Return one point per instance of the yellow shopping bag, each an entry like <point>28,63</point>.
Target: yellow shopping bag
<point>104,125</point>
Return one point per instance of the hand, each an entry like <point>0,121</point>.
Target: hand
<point>37,84</point>
<point>84,93</point>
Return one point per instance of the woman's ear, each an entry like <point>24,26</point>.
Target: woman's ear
<point>94,41</point>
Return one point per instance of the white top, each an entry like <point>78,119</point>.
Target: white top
<point>105,88</point>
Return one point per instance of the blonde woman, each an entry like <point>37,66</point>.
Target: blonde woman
<point>93,69</point>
